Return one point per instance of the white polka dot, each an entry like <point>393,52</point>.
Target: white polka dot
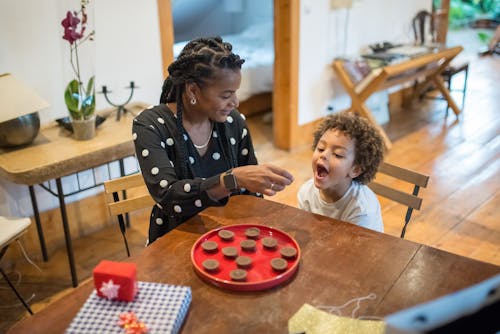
<point>243,116</point>
<point>187,187</point>
<point>135,120</point>
<point>145,153</point>
<point>258,194</point>
<point>230,119</point>
<point>215,135</point>
<point>134,135</point>
<point>177,209</point>
<point>162,144</point>
<point>244,133</point>
<point>243,189</point>
<point>216,156</point>
<point>185,136</point>
<point>151,126</point>
<point>159,205</point>
<point>244,151</point>
<point>232,140</point>
<point>191,160</point>
<point>155,170</point>
<point>163,183</point>
<point>159,221</point>
<point>150,107</point>
<point>170,141</point>
<point>197,203</point>
<point>160,120</point>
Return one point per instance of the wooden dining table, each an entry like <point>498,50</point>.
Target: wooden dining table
<point>339,261</point>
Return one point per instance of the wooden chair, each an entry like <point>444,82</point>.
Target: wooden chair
<point>423,25</point>
<point>409,199</point>
<point>10,230</point>
<point>120,205</point>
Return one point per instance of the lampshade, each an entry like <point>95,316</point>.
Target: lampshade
<point>17,99</point>
<point>19,106</point>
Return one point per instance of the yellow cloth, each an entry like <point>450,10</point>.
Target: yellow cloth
<point>310,320</point>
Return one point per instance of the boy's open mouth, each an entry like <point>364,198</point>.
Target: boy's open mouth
<point>321,171</point>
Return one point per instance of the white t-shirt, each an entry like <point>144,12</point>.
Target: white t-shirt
<point>359,205</point>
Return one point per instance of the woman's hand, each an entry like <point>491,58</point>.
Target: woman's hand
<point>265,179</point>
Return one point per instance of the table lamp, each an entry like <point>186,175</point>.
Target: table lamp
<point>19,106</point>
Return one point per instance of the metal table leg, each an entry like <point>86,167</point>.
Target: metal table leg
<point>38,224</point>
<point>67,235</point>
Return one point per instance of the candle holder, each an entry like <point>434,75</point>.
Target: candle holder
<point>120,107</point>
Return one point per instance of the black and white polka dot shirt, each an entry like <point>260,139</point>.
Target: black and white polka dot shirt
<point>162,149</point>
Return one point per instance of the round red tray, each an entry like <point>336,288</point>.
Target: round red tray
<point>260,275</point>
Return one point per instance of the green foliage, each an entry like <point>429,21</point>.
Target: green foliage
<point>464,12</point>
<point>81,105</point>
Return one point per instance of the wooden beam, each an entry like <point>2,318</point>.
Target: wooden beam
<point>166,33</point>
<point>286,68</point>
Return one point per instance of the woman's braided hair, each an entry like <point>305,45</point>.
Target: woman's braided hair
<point>368,142</point>
<point>196,63</point>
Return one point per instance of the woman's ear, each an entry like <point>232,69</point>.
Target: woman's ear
<point>191,90</point>
<point>355,171</point>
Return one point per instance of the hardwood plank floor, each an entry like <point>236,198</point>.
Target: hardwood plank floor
<point>460,211</point>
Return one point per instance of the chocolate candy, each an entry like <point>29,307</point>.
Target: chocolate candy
<point>243,261</point>
<point>211,264</point>
<point>279,264</point>
<point>226,235</point>
<point>238,275</point>
<point>209,246</point>
<point>230,251</point>
<point>269,242</point>
<point>252,232</point>
<point>288,252</point>
<point>248,245</point>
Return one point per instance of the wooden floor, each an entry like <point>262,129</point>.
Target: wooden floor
<point>460,210</point>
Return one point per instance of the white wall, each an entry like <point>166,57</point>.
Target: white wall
<point>327,33</point>
<point>127,47</point>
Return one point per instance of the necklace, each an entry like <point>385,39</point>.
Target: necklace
<point>199,147</point>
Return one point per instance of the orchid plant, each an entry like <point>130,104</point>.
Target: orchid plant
<point>79,100</point>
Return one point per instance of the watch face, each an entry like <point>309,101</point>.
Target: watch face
<point>230,182</point>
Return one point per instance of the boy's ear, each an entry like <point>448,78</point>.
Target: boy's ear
<point>355,171</point>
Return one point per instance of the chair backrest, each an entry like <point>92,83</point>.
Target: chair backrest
<point>423,25</point>
<point>407,198</point>
<point>120,205</point>
<point>120,202</point>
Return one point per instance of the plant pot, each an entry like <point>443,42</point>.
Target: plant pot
<point>83,129</point>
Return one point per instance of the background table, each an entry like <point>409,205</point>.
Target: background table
<point>340,261</point>
<point>55,154</point>
<point>428,66</point>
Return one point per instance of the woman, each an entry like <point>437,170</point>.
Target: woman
<point>194,148</point>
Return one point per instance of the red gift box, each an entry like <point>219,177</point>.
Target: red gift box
<point>115,280</point>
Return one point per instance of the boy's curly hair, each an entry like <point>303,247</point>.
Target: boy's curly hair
<point>368,143</point>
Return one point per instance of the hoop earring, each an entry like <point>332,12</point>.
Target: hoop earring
<point>193,101</point>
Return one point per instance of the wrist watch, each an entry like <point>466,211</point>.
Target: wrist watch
<point>230,182</point>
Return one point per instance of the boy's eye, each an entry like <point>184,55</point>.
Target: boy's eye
<point>320,149</point>
<point>340,156</point>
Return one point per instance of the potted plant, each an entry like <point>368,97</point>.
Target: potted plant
<point>79,97</point>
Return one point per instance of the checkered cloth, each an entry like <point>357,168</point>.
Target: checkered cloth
<point>161,307</point>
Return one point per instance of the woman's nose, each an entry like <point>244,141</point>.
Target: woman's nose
<point>235,102</point>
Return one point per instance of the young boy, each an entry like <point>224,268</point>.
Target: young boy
<point>347,153</point>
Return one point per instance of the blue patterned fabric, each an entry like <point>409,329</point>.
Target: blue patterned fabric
<point>161,307</point>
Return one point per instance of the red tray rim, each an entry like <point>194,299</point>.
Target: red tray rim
<point>246,286</point>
